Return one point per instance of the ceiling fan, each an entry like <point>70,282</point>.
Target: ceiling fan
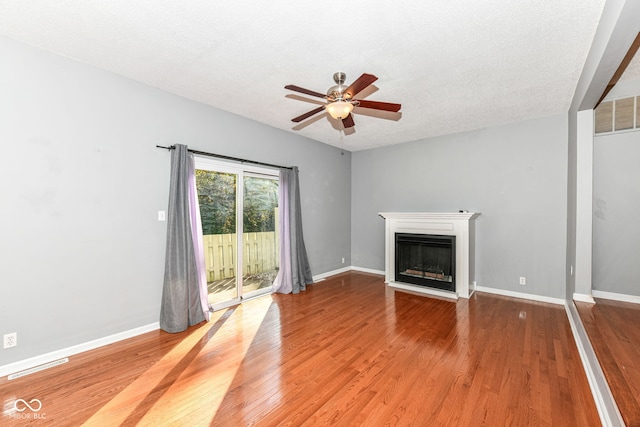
<point>340,99</point>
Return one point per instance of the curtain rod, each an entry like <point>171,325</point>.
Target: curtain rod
<point>236,159</point>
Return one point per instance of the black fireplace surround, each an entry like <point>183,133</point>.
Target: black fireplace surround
<point>426,260</point>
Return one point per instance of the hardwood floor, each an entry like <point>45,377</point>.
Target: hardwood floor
<point>614,331</point>
<point>346,352</point>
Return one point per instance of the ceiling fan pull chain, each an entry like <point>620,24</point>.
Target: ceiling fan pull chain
<point>341,140</point>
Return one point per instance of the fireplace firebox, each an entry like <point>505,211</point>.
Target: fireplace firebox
<point>426,260</point>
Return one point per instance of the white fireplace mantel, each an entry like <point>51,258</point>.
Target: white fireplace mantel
<point>458,224</point>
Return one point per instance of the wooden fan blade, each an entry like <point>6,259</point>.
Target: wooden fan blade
<point>348,122</point>
<point>305,91</point>
<point>377,105</point>
<point>356,87</point>
<point>307,115</point>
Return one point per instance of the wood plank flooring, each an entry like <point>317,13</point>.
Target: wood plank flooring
<point>347,352</point>
<point>614,332</point>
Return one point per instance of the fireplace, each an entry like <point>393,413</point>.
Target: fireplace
<point>426,260</point>
<point>449,271</point>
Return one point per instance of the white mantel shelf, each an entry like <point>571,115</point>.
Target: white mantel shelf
<point>459,224</point>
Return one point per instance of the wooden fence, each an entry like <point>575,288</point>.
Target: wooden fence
<point>260,254</point>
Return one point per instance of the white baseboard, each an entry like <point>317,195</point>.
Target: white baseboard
<point>323,276</point>
<point>32,362</point>
<point>521,295</point>
<point>367,270</point>
<point>605,403</point>
<point>584,298</point>
<point>616,297</point>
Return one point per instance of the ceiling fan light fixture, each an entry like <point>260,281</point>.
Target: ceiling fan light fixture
<point>339,109</point>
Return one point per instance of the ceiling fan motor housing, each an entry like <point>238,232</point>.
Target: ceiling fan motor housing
<point>336,92</point>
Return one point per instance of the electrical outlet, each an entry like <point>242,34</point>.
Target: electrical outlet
<point>10,340</point>
<point>343,260</point>
<point>523,281</point>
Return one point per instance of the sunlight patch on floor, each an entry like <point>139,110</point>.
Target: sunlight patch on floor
<point>207,380</point>
<point>171,391</point>
<point>116,411</point>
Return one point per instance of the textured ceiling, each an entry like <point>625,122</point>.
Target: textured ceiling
<point>453,66</point>
<point>632,72</point>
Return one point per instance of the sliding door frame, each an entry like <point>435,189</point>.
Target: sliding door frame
<point>240,170</point>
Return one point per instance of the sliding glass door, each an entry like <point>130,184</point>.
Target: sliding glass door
<point>239,213</point>
<point>259,234</point>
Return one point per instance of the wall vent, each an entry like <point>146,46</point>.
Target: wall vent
<point>37,368</point>
<point>618,115</point>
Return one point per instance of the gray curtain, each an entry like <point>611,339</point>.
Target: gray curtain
<point>295,272</point>
<point>183,300</point>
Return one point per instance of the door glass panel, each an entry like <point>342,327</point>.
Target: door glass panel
<point>217,199</point>
<point>260,260</point>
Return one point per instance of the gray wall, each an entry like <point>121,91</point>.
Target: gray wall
<point>514,175</point>
<point>616,229</point>
<point>81,183</point>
